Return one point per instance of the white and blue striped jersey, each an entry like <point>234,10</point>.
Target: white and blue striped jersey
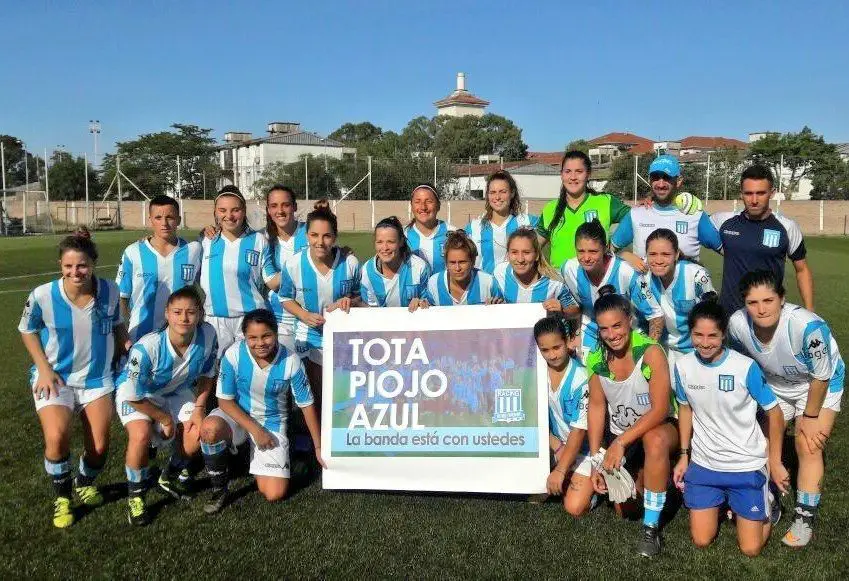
<point>234,274</point>
<point>802,349</point>
<point>147,279</point>
<point>692,230</point>
<point>689,284</point>
<point>263,392</point>
<point>283,249</point>
<point>491,240</point>
<point>540,291</point>
<point>625,280</point>
<point>410,282</point>
<point>724,396</point>
<point>567,405</point>
<point>79,342</point>
<point>155,368</point>
<point>429,247</point>
<point>483,286</point>
<point>301,281</point>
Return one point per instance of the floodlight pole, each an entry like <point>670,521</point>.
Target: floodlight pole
<point>87,206</point>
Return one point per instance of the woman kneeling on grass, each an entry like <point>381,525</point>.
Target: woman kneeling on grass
<point>256,377</point>
<point>629,381</point>
<point>72,329</point>
<point>156,402</point>
<point>719,391</point>
<point>557,339</point>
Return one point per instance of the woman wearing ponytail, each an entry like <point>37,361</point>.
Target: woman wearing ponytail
<point>319,278</point>
<point>629,383</point>
<point>426,234</point>
<point>73,332</point>
<point>394,276</point>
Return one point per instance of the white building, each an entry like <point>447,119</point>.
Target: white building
<point>243,158</point>
<point>461,102</point>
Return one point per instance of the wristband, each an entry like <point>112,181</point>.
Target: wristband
<point>809,416</point>
<point>684,451</point>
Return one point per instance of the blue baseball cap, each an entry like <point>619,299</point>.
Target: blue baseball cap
<point>667,164</point>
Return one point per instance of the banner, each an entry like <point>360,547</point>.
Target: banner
<point>443,399</point>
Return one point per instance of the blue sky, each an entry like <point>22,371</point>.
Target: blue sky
<point>559,70</point>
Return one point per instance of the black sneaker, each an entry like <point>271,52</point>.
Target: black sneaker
<point>137,511</point>
<point>217,500</point>
<point>775,509</point>
<point>175,487</point>
<point>650,544</point>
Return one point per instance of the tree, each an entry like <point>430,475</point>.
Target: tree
<point>151,161</point>
<point>579,145</point>
<point>621,180</point>
<point>831,181</point>
<point>67,176</point>
<point>13,154</point>
<point>420,133</point>
<point>355,133</point>
<point>464,137</point>
<point>802,153</point>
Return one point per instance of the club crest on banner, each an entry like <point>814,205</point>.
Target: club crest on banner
<point>508,405</point>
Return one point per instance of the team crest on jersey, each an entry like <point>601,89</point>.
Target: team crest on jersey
<point>508,405</point>
<point>643,399</point>
<point>252,257</point>
<point>278,385</point>
<point>590,215</point>
<point>681,227</point>
<point>791,370</point>
<point>188,272</point>
<point>410,292</point>
<point>126,408</point>
<point>771,238</point>
<point>105,326</point>
<point>347,286</point>
<point>726,383</point>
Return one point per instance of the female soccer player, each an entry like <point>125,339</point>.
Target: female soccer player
<point>286,236</point>
<point>394,276</point>
<point>556,339</point>
<point>256,376</point>
<point>461,283</point>
<point>629,381</point>
<point>317,279</point>
<point>503,215</point>
<point>677,285</point>
<point>425,232</point>
<point>719,391</point>
<point>72,330</point>
<point>803,366</point>
<point>595,267</point>
<point>237,266</point>
<point>156,401</point>
<point>577,204</point>
<point>528,278</point>
<point>153,268</point>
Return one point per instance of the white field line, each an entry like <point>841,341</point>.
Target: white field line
<point>20,276</point>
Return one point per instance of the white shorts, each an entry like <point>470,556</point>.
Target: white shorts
<point>273,462</point>
<point>179,406</point>
<point>73,398</point>
<point>793,408</point>
<point>582,465</point>
<point>286,339</point>
<point>228,330</point>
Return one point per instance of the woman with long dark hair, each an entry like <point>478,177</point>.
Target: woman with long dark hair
<point>394,276</point>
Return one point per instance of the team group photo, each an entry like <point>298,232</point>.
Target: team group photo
<point>433,353</point>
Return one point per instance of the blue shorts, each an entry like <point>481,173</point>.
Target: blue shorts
<point>747,493</point>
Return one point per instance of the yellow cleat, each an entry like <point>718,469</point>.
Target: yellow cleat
<point>63,516</point>
<point>89,495</point>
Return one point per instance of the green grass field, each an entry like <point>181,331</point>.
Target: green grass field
<point>360,534</point>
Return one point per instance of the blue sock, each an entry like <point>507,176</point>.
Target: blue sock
<point>86,473</point>
<point>653,505</point>
<point>811,499</point>
<point>137,480</point>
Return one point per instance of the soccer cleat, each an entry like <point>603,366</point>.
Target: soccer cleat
<point>63,514</point>
<point>217,501</point>
<point>89,495</point>
<point>137,512</point>
<point>174,487</point>
<point>650,544</point>
<point>801,530</point>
